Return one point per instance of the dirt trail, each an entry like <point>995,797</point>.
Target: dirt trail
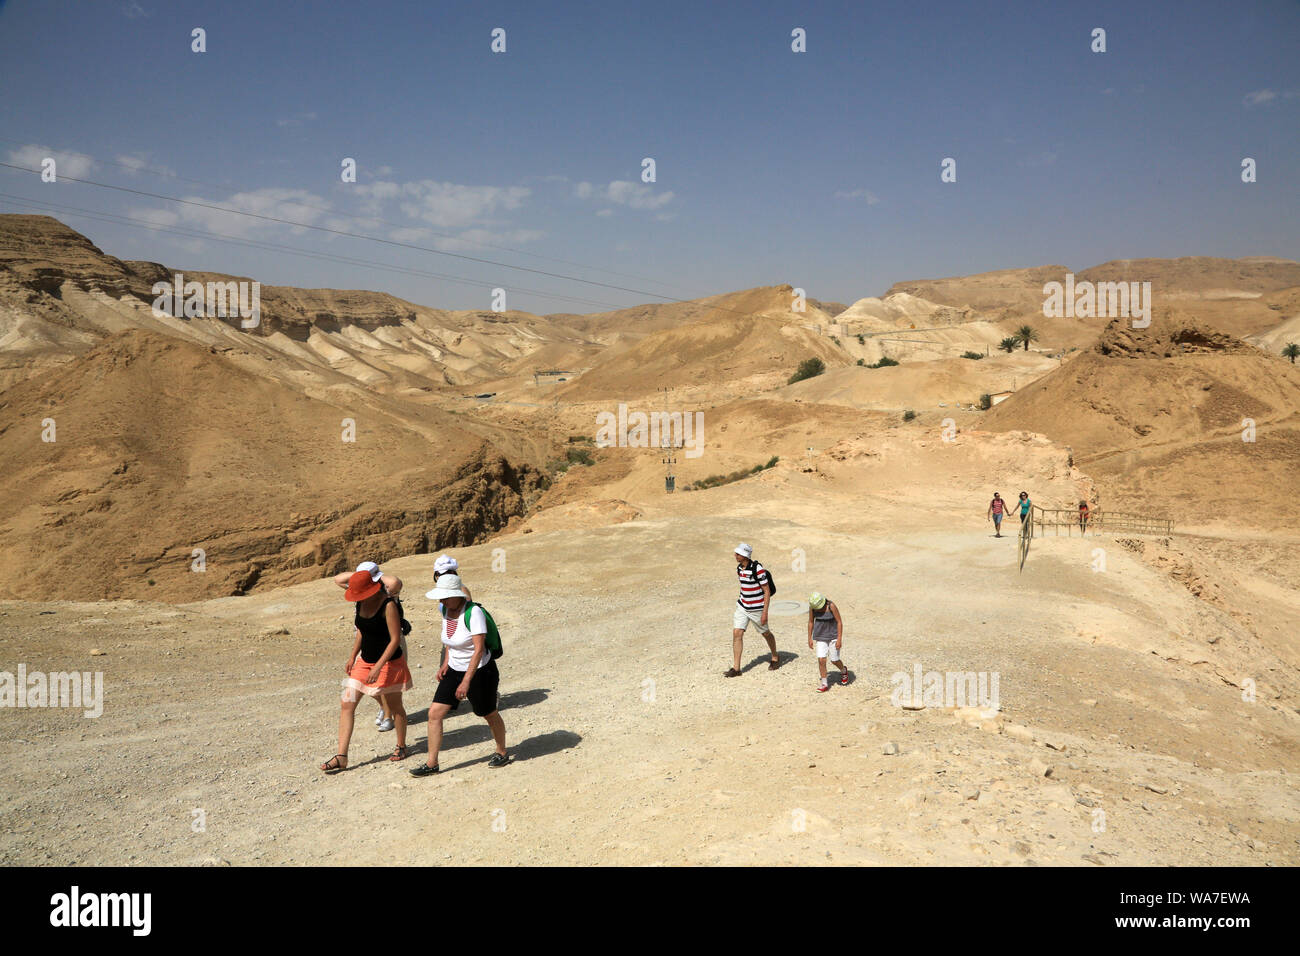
<point>630,746</point>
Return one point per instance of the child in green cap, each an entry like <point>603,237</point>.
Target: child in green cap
<point>826,636</point>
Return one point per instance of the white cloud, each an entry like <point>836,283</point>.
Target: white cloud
<point>297,119</point>
<point>445,205</point>
<point>865,194</point>
<point>1038,160</point>
<point>74,165</point>
<point>472,240</point>
<point>624,193</point>
<point>266,202</point>
<point>133,11</point>
<point>605,212</point>
<point>1260,97</point>
<point>135,164</point>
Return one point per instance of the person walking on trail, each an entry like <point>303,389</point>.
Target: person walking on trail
<point>376,667</point>
<point>393,585</point>
<point>826,636</point>
<point>446,564</point>
<point>997,507</point>
<point>751,608</point>
<point>1026,507</point>
<point>468,671</point>
<point>1083,517</point>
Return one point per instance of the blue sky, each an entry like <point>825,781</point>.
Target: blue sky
<point>820,169</point>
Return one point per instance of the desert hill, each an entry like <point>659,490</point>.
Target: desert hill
<point>750,339</point>
<point>162,447</point>
<point>1159,413</point>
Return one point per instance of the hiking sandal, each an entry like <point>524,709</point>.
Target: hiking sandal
<point>732,673</point>
<point>333,766</point>
<point>401,753</point>
<point>773,665</point>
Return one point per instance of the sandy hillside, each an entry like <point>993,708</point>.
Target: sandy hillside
<point>1149,686</point>
<point>1159,412</point>
<point>1122,737</point>
<point>161,447</point>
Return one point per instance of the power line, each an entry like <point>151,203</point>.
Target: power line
<point>291,250</point>
<point>169,174</point>
<point>378,239</point>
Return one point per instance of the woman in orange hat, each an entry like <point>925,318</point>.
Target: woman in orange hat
<point>376,665</point>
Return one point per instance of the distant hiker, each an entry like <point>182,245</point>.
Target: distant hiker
<point>468,671</point>
<point>997,507</point>
<point>393,585</point>
<point>826,636</point>
<point>446,564</point>
<point>1083,516</point>
<point>755,595</point>
<point>376,667</point>
<point>1025,506</point>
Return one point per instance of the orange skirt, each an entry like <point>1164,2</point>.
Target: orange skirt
<point>394,677</point>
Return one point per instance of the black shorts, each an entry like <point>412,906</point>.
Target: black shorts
<point>482,689</point>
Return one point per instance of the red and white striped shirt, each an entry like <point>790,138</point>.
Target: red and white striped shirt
<point>751,585</point>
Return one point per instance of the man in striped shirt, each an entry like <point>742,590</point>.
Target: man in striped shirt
<point>755,594</point>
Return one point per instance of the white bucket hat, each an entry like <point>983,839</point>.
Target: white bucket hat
<point>744,550</point>
<point>448,586</point>
<point>372,569</point>
<point>444,564</point>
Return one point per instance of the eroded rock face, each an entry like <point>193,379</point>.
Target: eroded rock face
<point>1165,337</point>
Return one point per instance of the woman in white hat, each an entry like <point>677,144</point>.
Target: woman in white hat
<point>468,671</point>
<point>446,564</point>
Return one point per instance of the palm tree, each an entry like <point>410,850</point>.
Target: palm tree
<point>1291,350</point>
<point>1009,344</point>
<point>1026,334</point>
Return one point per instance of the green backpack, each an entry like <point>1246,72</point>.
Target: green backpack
<point>493,639</point>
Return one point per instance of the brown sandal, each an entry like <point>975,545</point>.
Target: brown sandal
<point>732,673</point>
<point>401,753</point>
<point>333,766</point>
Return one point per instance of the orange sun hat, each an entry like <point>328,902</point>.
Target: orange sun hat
<point>360,587</point>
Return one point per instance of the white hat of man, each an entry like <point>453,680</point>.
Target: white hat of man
<point>448,586</point>
<point>370,568</point>
<point>744,550</point>
<point>445,563</point>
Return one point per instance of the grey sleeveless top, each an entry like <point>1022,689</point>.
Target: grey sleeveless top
<point>824,623</point>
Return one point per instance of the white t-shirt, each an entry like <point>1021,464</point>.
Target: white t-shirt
<point>460,642</point>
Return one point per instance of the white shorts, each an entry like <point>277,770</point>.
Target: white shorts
<point>827,647</point>
<point>742,619</point>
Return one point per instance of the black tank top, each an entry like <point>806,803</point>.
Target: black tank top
<point>374,634</point>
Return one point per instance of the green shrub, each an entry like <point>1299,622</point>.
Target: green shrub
<point>714,481</point>
<point>862,340</point>
<point>862,362</point>
<point>985,402</point>
<point>885,362</point>
<point>579,456</point>
<point>908,415</point>
<point>808,368</point>
<point>972,355</point>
